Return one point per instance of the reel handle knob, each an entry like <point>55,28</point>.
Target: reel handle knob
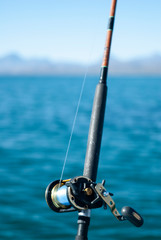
<point>131,215</point>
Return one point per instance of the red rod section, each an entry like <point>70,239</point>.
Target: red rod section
<point>105,62</point>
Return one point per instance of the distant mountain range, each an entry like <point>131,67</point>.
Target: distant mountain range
<point>14,64</point>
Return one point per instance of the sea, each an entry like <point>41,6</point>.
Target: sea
<point>36,117</point>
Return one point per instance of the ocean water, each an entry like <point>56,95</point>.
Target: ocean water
<point>36,115</point>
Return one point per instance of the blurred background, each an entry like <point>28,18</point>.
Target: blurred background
<point>46,48</point>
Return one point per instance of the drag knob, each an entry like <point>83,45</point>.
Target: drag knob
<point>131,215</point>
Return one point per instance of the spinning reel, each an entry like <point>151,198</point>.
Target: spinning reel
<point>81,193</point>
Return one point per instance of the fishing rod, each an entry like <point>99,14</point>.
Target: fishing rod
<point>83,193</point>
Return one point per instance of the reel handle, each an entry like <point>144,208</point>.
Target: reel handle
<point>131,215</point>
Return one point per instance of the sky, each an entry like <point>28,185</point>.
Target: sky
<point>75,31</point>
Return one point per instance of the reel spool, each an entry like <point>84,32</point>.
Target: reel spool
<point>57,198</point>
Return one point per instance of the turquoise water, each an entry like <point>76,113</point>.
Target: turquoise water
<point>36,115</point>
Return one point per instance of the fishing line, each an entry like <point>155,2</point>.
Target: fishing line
<point>77,109</point>
<point>74,121</point>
